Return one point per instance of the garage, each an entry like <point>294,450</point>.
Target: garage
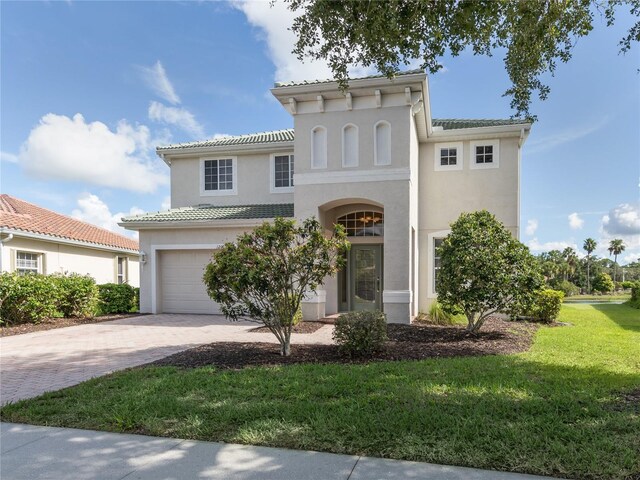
<point>181,286</point>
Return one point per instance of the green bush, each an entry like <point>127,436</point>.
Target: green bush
<point>116,298</point>
<point>28,298</point>
<point>136,299</point>
<point>635,295</point>
<point>78,295</point>
<point>627,284</point>
<point>546,305</point>
<point>568,288</point>
<point>603,283</point>
<point>360,334</point>
<point>439,316</point>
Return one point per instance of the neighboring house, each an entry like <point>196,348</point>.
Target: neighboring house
<point>371,159</point>
<point>34,239</point>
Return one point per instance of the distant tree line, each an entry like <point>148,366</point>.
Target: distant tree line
<point>565,270</point>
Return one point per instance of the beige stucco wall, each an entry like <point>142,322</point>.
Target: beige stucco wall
<point>153,241</point>
<point>253,175</point>
<point>60,258</point>
<point>444,195</point>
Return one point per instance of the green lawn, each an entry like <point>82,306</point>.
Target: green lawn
<point>599,298</point>
<point>552,410</point>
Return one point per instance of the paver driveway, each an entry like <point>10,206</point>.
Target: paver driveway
<point>34,363</point>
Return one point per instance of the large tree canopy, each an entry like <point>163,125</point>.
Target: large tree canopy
<point>535,35</point>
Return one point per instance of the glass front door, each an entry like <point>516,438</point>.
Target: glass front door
<point>365,277</point>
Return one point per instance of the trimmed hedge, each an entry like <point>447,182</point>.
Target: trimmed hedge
<point>28,298</point>
<point>635,295</point>
<point>78,295</point>
<point>546,306</point>
<point>117,298</point>
<point>360,334</point>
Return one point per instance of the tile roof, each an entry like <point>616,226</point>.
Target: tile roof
<point>316,82</point>
<point>456,123</point>
<point>16,214</point>
<point>215,212</point>
<point>276,136</point>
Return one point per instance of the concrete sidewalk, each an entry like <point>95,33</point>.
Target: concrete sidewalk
<point>30,452</point>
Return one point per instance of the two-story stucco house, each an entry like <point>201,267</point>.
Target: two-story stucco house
<point>371,159</point>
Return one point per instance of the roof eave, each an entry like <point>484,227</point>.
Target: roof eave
<point>67,241</point>
<point>229,223</point>
<point>500,130</point>
<point>167,153</point>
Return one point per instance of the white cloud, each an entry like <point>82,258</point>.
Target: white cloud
<point>71,149</point>
<point>8,157</point>
<point>177,116</point>
<point>623,219</point>
<point>166,203</point>
<point>275,21</point>
<point>92,209</point>
<point>565,136</point>
<point>575,222</point>
<point>532,226</point>
<point>156,78</point>
<point>536,246</point>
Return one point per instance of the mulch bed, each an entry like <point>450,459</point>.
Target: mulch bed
<point>52,323</point>
<point>302,327</point>
<point>406,342</point>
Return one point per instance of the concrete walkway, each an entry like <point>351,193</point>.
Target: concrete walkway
<point>29,452</point>
<point>38,362</point>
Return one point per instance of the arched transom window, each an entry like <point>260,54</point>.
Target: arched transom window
<point>366,223</point>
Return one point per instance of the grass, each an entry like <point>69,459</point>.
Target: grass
<point>599,298</point>
<point>550,411</point>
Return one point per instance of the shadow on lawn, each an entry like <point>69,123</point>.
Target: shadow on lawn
<point>624,315</point>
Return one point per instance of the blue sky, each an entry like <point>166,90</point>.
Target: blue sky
<point>90,88</point>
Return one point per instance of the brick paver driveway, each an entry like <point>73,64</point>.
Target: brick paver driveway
<point>34,363</point>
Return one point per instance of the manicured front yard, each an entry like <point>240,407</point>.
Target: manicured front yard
<point>564,408</point>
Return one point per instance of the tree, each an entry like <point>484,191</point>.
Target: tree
<point>589,246</point>
<point>616,247</point>
<point>534,35</point>
<point>603,283</point>
<point>265,274</point>
<point>570,262</point>
<point>484,270</point>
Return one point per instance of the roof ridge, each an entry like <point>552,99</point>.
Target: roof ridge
<point>292,83</point>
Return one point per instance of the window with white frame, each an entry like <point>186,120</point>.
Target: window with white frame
<point>448,156</point>
<point>218,175</point>
<point>437,242</point>
<point>282,173</point>
<point>121,275</point>
<point>485,154</point>
<point>27,262</point>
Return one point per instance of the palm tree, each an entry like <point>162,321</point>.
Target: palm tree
<point>616,247</point>
<point>589,246</point>
<point>570,261</point>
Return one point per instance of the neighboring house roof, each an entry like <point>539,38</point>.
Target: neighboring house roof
<point>16,214</point>
<point>315,82</point>
<point>457,123</point>
<point>287,135</point>
<point>275,136</point>
<point>214,212</point>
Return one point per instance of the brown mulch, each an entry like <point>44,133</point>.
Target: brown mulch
<point>302,327</point>
<point>52,323</point>
<point>406,342</point>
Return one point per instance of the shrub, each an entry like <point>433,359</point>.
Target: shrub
<point>27,298</point>
<point>635,295</point>
<point>565,286</point>
<point>136,299</point>
<point>603,283</point>
<point>627,284</point>
<point>360,334</point>
<point>437,315</point>
<point>546,305</point>
<point>116,298</point>
<point>78,295</point>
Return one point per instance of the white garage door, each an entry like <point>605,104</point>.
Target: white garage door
<point>181,282</point>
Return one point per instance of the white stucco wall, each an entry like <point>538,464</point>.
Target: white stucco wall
<point>61,258</point>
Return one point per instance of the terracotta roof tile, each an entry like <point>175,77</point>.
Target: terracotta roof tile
<point>16,214</point>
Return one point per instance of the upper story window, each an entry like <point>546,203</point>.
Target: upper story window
<point>27,262</point>
<point>350,146</point>
<point>485,154</point>
<point>282,173</point>
<point>363,224</point>
<point>448,156</point>
<point>218,176</point>
<point>382,147</point>
<point>319,147</point>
